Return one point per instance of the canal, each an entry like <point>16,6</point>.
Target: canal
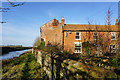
<point>12,54</point>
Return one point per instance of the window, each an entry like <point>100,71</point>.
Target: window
<point>69,32</point>
<point>113,36</point>
<point>66,34</point>
<point>78,47</point>
<point>77,36</point>
<point>112,48</point>
<point>95,36</point>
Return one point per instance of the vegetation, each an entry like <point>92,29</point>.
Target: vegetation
<point>42,44</point>
<point>36,42</point>
<point>91,65</point>
<point>107,62</point>
<point>97,59</point>
<point>88,47</point>
<point>25,67</point>
<point>55,50</point>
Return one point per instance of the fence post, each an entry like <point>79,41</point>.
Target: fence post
<point>52,65</point>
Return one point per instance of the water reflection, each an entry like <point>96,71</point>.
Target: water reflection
<point>12,54</point>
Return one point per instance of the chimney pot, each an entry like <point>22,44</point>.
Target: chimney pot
<point>63,21</point>
<point>116,20</point>
<point>62,17</point>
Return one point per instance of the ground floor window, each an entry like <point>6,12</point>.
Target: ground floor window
<point>78,48</point>
<point>112,48</point>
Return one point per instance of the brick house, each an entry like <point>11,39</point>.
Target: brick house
<point>71,36</point>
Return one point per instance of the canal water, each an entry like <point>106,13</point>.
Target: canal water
<point>12,54</point>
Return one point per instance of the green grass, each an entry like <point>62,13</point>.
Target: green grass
<point>24,67</point>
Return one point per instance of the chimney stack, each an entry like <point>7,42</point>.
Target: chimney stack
<point>116,22</point>
<point>119,22</point>
<point>63,21</point>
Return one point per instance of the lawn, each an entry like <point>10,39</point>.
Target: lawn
<point>23,67</point>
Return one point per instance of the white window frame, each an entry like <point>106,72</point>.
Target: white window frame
<point>112,48</point>
<point>95,35</point>
<point>113,34</point>
<point>66,34</point>
<point>77,35</point>
<point>112,45</point>
<point>81,47</point>
<point>44,39</point>
<point>69,32</point>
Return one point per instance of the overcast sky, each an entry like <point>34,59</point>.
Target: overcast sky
<point>23,22</point>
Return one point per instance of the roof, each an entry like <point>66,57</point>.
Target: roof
<point>80,27</point>
<point>51,22</point>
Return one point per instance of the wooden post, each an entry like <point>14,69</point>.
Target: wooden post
<point>51,65</point>
<point>110,49</point>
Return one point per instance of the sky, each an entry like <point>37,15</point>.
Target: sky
<point>23,23</point>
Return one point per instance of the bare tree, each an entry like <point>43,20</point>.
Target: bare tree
<point>109,16</point>
<point>89,21</point>
<point>14,5</point>
<point>36,42</point>
<point>102,40</point>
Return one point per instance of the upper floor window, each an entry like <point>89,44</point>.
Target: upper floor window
<point>77,36</point>
<point>66,34</point>
<point>95,36</point>
<point>113,36</point>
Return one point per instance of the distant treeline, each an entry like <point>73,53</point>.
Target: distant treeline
<point>5,50</point>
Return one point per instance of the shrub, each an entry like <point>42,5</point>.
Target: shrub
<point>42,43</point>
<point>88,47</point>
<point>114,62</point>
<point>119,64</point>
<point>106,54</point>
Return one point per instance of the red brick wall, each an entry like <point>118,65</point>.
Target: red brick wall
<point>52,32</point>
<point>55,37</point>
<point>70,39</point>
<point>48,27</point>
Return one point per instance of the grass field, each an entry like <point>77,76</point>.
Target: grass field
<point>24,67</point>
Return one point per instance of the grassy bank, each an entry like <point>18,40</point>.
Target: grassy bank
<point>24,67</point>
<point>9,49</point>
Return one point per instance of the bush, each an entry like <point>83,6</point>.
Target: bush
<point>42,44</point>
<point>88,47</point>
<point>119,64</point>
<point>106,54</point>
<point>114,62</point>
